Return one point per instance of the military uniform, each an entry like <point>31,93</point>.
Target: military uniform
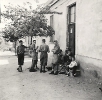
<point>20,54</point>
<point>33,49</point>
<point>44,56</point>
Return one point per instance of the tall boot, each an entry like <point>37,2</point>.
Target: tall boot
<point>37,67</point>
<point>56,72</point>
<point>52,72</point>
<point>44,70</point>
<point>20,68</point>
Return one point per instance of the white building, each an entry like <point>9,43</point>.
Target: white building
<point>80,27</point>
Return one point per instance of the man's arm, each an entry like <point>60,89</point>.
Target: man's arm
<point>39,49</point>
<point>56,49</point>
<point>76,63</point>
<point>17,51</point>
<point>48,49</point>
<point>25,46</point>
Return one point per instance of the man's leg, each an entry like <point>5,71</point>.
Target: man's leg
<point>22,62</point>
<point>20,68</point>
<point>56,72</point>
<point>52,72</point>
<point>41,65</point>
<point>19,62</point>
<point>37,61</point>
<point>44,63</point>
<point>41,68</point>
<point>41,62</point>
<point>32,66</point>
<point>67,69</point>
<point>74,70</point>
<point>36,65</point>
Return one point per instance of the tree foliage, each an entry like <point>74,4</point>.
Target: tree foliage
<point>45,9</point>
<point>25,22</point>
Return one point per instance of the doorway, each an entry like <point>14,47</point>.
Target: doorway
<point>71,20</point>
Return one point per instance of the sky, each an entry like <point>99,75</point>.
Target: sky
<point>20,2</point>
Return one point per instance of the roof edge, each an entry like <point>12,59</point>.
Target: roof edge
<point>54,3</point>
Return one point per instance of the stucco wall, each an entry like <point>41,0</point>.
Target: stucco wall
<point>88,35</point>
<point>89,28</point>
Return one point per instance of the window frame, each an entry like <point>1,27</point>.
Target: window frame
<point>71,6</point>
<point>52,25</point>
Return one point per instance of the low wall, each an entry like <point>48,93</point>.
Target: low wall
<point>91,68</point>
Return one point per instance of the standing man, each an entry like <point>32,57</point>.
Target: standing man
<point>44,49</point>
<point>34,53</point>
<point>20,55</point>
<point>56,50</point>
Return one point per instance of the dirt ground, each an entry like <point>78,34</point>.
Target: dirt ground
<point>42,86</point>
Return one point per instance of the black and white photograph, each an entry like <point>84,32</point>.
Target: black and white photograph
<point>50,49</point>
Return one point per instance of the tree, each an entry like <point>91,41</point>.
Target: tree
<point>25,22</point>
<point>10,35</point>
<point>45,9</point>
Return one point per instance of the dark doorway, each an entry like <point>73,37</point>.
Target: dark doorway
<point>71,27</point>
<point>72,37</point>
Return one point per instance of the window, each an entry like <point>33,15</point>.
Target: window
<point>71,23</point>
<point>51,24</point>
<point>72,14</point>
<point>51,21</point>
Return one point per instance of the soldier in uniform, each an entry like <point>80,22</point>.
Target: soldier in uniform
<point>34,51</point>
<point>20,55</point>
<point>44,49</point>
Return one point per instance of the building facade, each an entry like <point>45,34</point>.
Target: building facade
<point>80,27</point>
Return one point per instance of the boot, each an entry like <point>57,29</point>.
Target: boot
<point>40,70</point>
<point>44,70</point>
<point>20,69</point>
<point>56,73</point>
<point>52,72</point>
<point>37,67</point>
<point>68,74</point>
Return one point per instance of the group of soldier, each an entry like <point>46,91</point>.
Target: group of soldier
<point>44,50</point>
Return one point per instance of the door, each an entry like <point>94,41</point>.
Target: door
<point>72,37</point>
<point>71,27</point>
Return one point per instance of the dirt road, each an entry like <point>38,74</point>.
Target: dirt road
<point>42,86</point>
